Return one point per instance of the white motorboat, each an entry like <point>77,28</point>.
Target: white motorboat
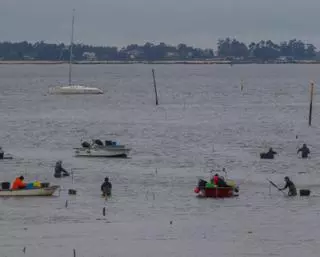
<point>71,89</point>
<point>75,89</point>
<point>43,191</point>
<point>98,149</point>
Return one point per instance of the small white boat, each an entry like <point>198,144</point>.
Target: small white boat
<point>74,90</point>
<point>98,149</point>
<point>44,191</point>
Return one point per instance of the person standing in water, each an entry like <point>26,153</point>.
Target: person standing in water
<point>305,151</point>
<point>106,187</point>
<point>292,188</point>
<point>1,153</point>
<point>271,153</point>
<point>59,171</point>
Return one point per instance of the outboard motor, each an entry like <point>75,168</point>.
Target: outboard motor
<point>202,184</point>
<point>85,144</point>
<point>108,142</point>
<point>98,142</point>
<point>304,192</point>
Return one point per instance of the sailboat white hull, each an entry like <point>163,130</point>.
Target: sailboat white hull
<point>75,90</point>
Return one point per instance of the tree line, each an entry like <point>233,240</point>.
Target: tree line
<point>266,50</point>
<point>228,48</point>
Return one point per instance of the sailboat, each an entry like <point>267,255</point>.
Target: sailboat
<point>71,88</point>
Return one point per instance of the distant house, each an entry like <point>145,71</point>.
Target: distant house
<point>285,59</point>
<point>136,53</point>
<point>27,57</point>
<point>172,54</point>
<point>89,56</point>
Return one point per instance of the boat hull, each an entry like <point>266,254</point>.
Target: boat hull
<point>103,152</point>
<point>46,191</point>
<point>218,192</point>
<point>75,90</point>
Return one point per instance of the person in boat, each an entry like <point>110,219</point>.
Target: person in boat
<point>219,181</point>
<point>268,155</point>
<point>289,184</point>
<point>200,189</point>
<point>18,183</point>
<point>106,187</point>
<point>202,184</point>
<point>215,179</point>
<point>222,182</point>
<point>1,153</point>
<point>305,151</point>
<point>59,171</point>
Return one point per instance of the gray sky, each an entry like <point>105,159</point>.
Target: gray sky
<point>195,22</point>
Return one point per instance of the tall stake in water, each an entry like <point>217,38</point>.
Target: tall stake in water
<point>155,86</point>
<point>71,48</point>
<point>72,177</point>
<point>311,100</point>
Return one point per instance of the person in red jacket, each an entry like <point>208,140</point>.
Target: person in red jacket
<point>218,181</point>
<point>215,179</point>
<point>18,183</point>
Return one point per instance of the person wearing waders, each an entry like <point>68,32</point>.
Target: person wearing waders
<point>106,187</point>
<point>270,154</point>
<point>1,153</point>
<point>305,151</point>
<point>59,171</point>
<point>290,186</point>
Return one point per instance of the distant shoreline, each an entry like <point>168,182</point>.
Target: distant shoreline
<point>153,62</point>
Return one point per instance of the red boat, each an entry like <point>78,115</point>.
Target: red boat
<point>217,192</point>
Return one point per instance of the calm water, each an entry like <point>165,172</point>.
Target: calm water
<point>203,121</point>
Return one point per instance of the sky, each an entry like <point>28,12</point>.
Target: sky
<point>199,23</point>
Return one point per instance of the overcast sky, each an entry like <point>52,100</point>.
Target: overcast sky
<point>195,22</point>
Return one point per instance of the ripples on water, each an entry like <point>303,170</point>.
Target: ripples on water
<point>203,121</point>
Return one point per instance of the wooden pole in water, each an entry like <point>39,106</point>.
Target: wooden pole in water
<point>72,176</point>
<point>155,86</point>
<point>74,253</point>
<point>311,100</point>
<point>269,188</point>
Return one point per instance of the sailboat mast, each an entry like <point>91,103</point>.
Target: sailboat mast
<point>71,49</point>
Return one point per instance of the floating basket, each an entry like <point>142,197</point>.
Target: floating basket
<point>5,185</point>
<point>304,192</point>
<point>72,192</point>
